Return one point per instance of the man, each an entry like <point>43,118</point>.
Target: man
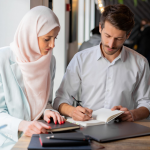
<point>110,75</point>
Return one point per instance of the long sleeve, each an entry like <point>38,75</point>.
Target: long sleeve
<point>141,94</point>
<point>11,131</point>
<point>69,85</point>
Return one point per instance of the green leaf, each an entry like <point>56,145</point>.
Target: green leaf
<point>135,3</point>
<point>120,1</point>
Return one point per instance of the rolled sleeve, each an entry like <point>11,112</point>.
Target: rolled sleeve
<point>69,85</point>
<point>142,92</point>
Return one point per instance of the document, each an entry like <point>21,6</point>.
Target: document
<point>100,116</point>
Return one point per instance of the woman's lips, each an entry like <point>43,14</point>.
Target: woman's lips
<point>47,49</point>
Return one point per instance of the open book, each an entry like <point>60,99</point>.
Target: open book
<point>100,116</point>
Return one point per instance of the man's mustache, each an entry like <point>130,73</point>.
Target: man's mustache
<point>110,48</point>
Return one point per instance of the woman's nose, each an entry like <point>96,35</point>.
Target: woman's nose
<point>52,43</point>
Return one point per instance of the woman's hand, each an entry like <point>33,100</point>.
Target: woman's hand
<point>33,127</point>
<point>55,115</point>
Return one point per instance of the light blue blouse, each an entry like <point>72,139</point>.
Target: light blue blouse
<point>14,106</point>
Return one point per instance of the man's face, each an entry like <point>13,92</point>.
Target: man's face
<point>112,38</point>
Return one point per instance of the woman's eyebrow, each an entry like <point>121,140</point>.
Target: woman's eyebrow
<point>49,36</point>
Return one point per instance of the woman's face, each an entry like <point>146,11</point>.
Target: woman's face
<point>47,42</point>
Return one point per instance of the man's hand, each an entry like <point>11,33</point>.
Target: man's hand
<point>32,127</point>
<point>81,113</point>
<point>126,116</point>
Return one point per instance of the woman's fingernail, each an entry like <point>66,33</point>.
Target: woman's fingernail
<point>60,122</point>
<point>55,122</point>
<point>48,121</point>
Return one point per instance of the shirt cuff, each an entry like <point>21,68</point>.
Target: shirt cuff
<point>14,128</point>
<point>148,107</point>
<point>59,101</point>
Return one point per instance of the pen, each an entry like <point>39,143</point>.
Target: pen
<point>78,104</point>
<point>3,126</point>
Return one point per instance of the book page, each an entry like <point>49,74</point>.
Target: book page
<point>86,123</point>
<point>106,115</point>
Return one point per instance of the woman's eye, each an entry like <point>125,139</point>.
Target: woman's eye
<point>55,37</point>
<point>46,40</point>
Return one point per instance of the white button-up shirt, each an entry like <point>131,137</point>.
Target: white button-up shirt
<point>125,81</point>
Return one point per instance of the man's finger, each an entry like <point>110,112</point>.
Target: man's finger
<point>116,107</point>
<point>81,116</point>
<point>130,120</point>
<point>124,109</point>
<point>126,118</point>
<point>89,111</point>
<point>84,111</point>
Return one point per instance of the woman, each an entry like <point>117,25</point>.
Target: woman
<point>27,70</point>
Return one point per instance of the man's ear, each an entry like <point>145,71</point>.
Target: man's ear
<point>100,28</point>
<point>128,35</point>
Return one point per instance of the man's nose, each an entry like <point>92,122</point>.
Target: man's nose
<point>111,43</point>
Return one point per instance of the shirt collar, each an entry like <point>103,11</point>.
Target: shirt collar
<point>122,55</point>
<point>99,52</point>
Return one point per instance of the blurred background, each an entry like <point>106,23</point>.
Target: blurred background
<point>79,20</point>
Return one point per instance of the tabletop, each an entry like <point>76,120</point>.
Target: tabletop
<point>137,143</point>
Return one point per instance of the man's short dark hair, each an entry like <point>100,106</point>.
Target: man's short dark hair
<point>120,16</point>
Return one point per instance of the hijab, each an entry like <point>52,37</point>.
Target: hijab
<point>35,67</point>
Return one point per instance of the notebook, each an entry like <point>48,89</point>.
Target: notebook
<point>60,127</point>
<point>100,116</point>
<point>47,142</point>
<point>65,136</point>
<point>115,131</point>
<point>35,145</point>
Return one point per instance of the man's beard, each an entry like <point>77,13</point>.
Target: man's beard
<point>114,49</point>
